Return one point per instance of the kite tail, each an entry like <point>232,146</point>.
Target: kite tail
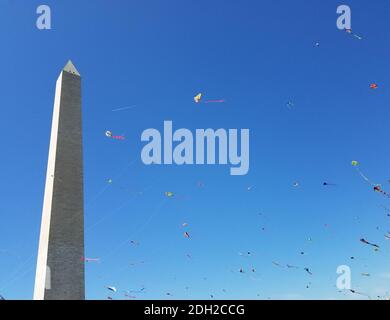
<point>364,177</point>
<point>215,101</point>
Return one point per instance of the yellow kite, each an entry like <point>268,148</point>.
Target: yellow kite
<point>197,98</point>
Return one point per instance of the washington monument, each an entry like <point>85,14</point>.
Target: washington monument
<point>60,265</point>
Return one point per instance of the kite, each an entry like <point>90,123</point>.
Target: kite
<point>292,267</point>
<point>242,270</point>
<point>109,298</point>
<point>187,235</point>
<point>91,259</point>
<point>198,99</point>
<point>317,44</point>
<point>136,243</point>
<point>113,289</point>
<point>169,194</point>
<point>277,264</point>
<point>290,105</point>
<point>136,263</point>
<point>328,184</point>
<point>308,271</point>
<point>387,236</point>
<point>356,165</point>
<point>111,136</point>
<point>245,254</point>
<point>373,86</point>
<point>365,274</point>
<point>349,31</point>
<point>369,243</point>
<point>200,184</point>
<point>2,298</point>
<point>359,293</point>
<point>185,224</point>
<point>378,188</point>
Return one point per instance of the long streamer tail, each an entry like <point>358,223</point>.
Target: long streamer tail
<point>215,101</point>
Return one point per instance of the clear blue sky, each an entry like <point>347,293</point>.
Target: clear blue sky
<point>157,55</point>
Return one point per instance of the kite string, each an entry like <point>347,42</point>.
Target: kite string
<point>364,177</point>
<point>125,108</point>
<point>120,207</point>
<point>155,211</point>
<point>123,204</point>
<point>112,252</point>
<point>27,271</point>
<point>377,187</point>
<point>16,274</point>
<point>104,189</point>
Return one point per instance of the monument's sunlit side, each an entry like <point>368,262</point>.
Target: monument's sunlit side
<point>60,265</point>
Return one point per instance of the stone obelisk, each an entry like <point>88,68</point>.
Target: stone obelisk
<point>60,265</point>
